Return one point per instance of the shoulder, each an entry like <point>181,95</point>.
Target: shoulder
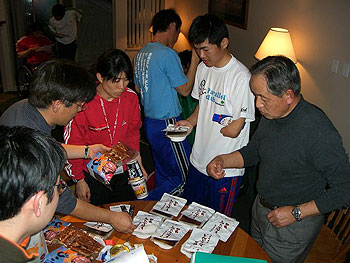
<point>238,68</point>
<point>130,94</point>
<point>316,120</point>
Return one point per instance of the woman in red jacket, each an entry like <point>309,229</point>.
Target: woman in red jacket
<point>112,116</point>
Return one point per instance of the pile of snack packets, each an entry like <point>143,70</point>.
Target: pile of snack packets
<point>208,227</point>
<point>91,243</point>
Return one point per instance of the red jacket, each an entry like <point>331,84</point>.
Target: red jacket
<point>89,127</point>
<point>35,57</point>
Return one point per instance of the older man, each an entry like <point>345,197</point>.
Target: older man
<point>304,171</point>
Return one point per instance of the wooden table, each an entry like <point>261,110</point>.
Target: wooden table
<point>240,244</point>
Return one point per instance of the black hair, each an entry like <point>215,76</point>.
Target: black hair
<point>280,74</point>
<point>30,162</point>
<point>62,80</point>
<point>207,27</point>
<point>58,10</point>
<point>185,57</point>
<point>162,20</point>
<point>113,62</point>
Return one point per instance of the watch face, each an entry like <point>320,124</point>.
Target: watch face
<point>296,213</point>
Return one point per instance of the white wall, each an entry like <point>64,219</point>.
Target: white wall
<point>320,33</point>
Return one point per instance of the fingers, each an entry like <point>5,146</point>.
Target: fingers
<point>215,168</point>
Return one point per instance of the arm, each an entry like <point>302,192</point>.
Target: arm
<point>26,52</point>
<point>78,151</point>
<point>75,132</point>
<point>191,121</point>
<point>185,89</point>
<point>121,221</point>
<point>282,216</point>
<point>233,129</point>
<point>230,160</point>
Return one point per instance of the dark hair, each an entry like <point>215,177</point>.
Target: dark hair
<point>207,27</point>
<point>113,62</point>
<point>61,80</point>
<point>30,162</point>
<point>185,57</point>
<point>58,10</point>
<point>280,73</point>
<point>162,20</point>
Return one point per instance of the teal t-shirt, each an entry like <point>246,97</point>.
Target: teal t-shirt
<point>158,71</point>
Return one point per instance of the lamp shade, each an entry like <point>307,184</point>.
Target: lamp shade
<point>276,42</point>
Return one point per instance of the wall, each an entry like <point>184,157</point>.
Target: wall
<point>320,34</point>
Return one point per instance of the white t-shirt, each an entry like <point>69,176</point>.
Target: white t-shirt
<point>225,91</point>
<point>66,26</point>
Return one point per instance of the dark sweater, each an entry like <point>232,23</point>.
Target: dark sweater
<point>298,156</point>
<point>24,114</point>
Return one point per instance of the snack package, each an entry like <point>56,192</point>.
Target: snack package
<point>53,229</point>
<point>123,208</point>
<point>169,234</point>
<point>169,206</point>
<point>146,223</point>
<point>64,255</point>
<point>79,241</point>
<point>36,244</point>
<point>221,225</point>
<point>200,240</point>
<point>176,134</point>
<point>104,166</point>
<point>196,215</point>
<point>98,230</point>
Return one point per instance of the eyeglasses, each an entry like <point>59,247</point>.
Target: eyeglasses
<point>82,106</point>
<point>61,186</point>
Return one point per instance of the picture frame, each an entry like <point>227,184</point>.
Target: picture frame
<point>232,12</point>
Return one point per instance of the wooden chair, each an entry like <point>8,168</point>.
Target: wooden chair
<point>333,242</point>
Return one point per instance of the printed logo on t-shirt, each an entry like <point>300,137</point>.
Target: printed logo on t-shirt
<point>211,95</point>
<point>141,70</point>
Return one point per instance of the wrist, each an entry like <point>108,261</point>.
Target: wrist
<point>86,151</point>
<point>296,212</point>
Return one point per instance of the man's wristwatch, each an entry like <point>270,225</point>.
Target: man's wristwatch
<point>296,212</point>
<point>86,151</point>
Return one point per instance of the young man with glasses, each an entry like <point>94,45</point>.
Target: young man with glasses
<point>59,90</point>
<point>29,187</point>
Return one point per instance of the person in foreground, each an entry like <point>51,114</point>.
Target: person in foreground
<point>222,88</point>
<point>304,171</point>
<point>59,90</point>
<point>29,187</point>
<point>159,77</point>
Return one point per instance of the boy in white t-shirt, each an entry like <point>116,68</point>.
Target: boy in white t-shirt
<point>64,25</point>
<point>223,116</point>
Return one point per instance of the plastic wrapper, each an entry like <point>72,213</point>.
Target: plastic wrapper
<point>104,166</point>
<point>196,215</point>
<point>200,240</point>
<point>168,206</point>
<point>221,225</point>
<point>169,234</point>
<point>146,223</point>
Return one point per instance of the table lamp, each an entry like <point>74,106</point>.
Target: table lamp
<point>276,42</point>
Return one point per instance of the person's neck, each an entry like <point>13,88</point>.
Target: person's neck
<point>48,116</point>
<point>12,230</point>
<point>161,37</point>
<point>224,60</point>
<point>293,105</point>
<point>104,94</point>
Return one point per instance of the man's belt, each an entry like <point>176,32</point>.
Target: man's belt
<point>266,204</point>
